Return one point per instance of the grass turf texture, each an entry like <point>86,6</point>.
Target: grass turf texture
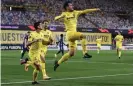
<point>102,70</point>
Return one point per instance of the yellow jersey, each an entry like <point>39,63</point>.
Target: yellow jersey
<point>47,34</point>
<point>34,36</point>
<point>70,18</point>
<point>119,39</point>
<point>98,41</point>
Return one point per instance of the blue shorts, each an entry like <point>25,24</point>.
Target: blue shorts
<point>25,49</point>
<point>61,47</point>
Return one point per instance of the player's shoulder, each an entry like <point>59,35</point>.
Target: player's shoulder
<point>117,35</point>
<point>121,35</point>
<point>49,31</point>
<point>63,12</point>
<point>33,32</point>
<point>76,11</point>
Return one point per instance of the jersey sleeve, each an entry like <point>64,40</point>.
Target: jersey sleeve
<point>86,11</point>
<point>60,16</point>
<point>116,37</point>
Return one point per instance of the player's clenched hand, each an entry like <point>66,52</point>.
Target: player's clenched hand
<point>98,9</point>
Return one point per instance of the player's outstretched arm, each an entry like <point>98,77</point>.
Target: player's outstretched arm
<point>59,17</point>
<point>89,10</point>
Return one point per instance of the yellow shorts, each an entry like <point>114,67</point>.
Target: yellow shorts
<point>44,50</point>
<point>34,56</point>
<point>99,45</point>
<point>119,45</point>
<point>72,44</point>
<point>72,37</point>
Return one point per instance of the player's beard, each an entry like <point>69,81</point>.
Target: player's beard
<point>71,10</point>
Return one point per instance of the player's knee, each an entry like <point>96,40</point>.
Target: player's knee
<point>71,53</point>
<point>37,66</point>
<point>37,71</point>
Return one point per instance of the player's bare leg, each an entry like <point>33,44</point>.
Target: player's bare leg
<point>83,44</point>
<point>119,53</point>
<point>26,67</point>
<point>35,73</point>
<point>64,58</point>
<point>98,50</point>
<point>43,68</point>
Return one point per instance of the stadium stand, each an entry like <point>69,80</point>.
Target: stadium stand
<point>107,19</point>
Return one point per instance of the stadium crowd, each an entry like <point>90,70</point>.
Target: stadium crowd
<point>52,8</point>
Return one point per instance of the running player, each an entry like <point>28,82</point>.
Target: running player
<point>42,51</point>
<point>61,46</point>
<point>70,17</point>
<point>35,41</point>
<point>98,41</point>
<point>119,40</point>
<point>47,35</point>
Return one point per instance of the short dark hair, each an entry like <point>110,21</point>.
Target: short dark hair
<point>36,24</point>
<point>61,35</point>
<point>66,4</point>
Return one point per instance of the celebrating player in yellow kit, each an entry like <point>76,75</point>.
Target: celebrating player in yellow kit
<point>70,17</point>
<point>98,41</point>
<point>35,42</point>
<point>47,34</point>
<point>119,40</point>
<point>38,51</point>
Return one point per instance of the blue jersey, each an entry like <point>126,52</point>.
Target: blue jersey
<point>61,43</point>
<point>25,38</point>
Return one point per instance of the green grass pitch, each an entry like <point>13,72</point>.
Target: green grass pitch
<point>104,69</point>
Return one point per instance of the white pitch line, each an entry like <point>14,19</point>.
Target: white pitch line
<point>102,76</point>
<point>95,62</point>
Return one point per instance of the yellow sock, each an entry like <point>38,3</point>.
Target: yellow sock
<point>119,53</point>
<point>83,44</point>
<point>43,69</point>
<point>98,51</point>
<point>35,74</point>
<point>64,58</point>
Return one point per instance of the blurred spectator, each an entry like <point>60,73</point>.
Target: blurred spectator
<point>51,8</point>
